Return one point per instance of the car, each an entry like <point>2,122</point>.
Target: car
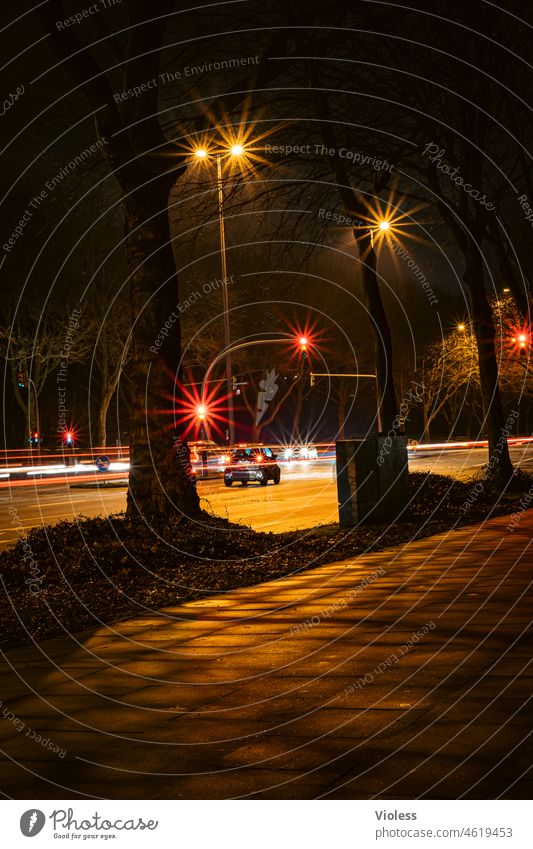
<point>252,465</point>
<point>207,457</point>
<point>300,452</point>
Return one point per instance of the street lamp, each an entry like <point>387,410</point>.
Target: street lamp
<point>236,150</point>
<point>381,227</point>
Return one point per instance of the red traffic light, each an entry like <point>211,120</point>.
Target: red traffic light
<point>201,412</point>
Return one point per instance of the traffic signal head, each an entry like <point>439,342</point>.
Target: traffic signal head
<point>201,412</point>
<point>21,380</point>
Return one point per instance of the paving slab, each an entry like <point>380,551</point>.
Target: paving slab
<point>418,685</point>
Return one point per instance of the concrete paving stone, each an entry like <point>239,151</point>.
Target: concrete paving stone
<point>38,780</point>
<point>385,698</point>
<point>487,708</point>
<point>510,666</point>
<point>24,748</point>
<point>361,725</point>
<point>253,784</point>
<point>401,772</point>
<point>93,685</point>
<point>513,688</point>
<point>173,700</point>
<point>413,786</point>
<point>202,730</point>
<point>230,644</point>
<point>512,787</point>
<point>286,753</point>
<point>131,787</point>
<point>482,777</point>
<point>89,716</point>
<point>284,681</point>
<point>99,677</point>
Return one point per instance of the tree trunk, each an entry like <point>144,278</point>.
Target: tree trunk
<point>158,484</point>
<point>383,343</point>
<point>298,401</point>
<point>102,419</point>
<point>426,423</point>
<point>483,325</point>
<point>355,207</point>
<point>108,390</point>
<point>341,413</point>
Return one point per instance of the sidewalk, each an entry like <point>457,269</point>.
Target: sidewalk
<point>417,684</point>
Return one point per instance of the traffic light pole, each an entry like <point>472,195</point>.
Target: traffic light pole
<point>237,347</point>
<point>280,339</point>
<point>31,385</point>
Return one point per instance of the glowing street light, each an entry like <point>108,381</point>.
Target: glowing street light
<point>461,328</point>
<point>380,227</point>
<point>236,150</point>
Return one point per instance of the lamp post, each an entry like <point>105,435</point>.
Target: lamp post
<point>202,153</point>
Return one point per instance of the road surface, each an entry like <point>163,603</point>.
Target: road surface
<point>306,497</point>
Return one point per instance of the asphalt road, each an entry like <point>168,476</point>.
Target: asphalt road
<point>306,496</point>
